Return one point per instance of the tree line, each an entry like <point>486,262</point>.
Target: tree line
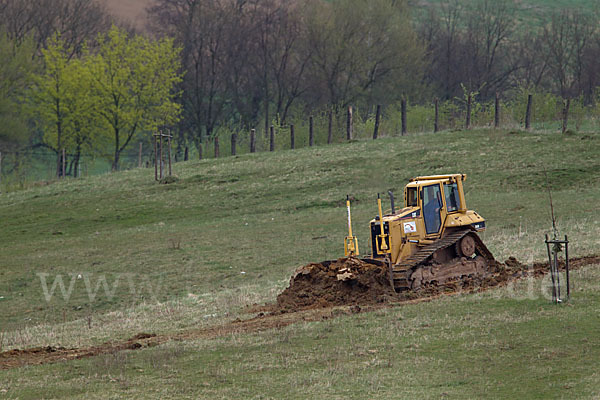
<point>201,65</point>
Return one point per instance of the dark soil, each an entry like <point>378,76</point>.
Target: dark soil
<point>319,285</point>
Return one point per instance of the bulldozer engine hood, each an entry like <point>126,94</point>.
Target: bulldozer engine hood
<point>409,212</point>
<point>405,213</point>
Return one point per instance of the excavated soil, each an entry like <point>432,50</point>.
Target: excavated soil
<point>315,293</point>
<point>351,281</point>
<point>318,285</point>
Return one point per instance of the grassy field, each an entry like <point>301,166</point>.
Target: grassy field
<point>231,231</point>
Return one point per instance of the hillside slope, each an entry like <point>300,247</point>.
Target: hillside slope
<point>230,232</point>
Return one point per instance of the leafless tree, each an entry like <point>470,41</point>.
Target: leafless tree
<point>77,21</point>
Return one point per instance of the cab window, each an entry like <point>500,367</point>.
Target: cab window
<point>411,197</point>
<point>452,199</point>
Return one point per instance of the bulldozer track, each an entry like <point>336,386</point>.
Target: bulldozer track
<point>402,271</point>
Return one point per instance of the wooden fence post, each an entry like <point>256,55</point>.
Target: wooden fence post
<point>528,112</point>
<point>200,151</point>
<point>565,120</point>
<point>468,118</point>
<point>311,132</point>
<point>436,116</point>
<point>160,157</point>
<point>349,124</point>
<point>272,139</point>
<point>330,128</point>
<point>140,156</point>
<point>233,143</point>
<point>0,172</point>
<point>403,115</point>
<point>64,162</point>
<point>377,117</point>
<point>169,151</point>
<point>292,137</point>
<point>186,154</point>
<point>252,140</point>
<point>216,147</point>
<point>497,111</point>
<point>155,158</point>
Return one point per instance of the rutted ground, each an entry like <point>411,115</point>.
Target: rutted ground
<point>314,295</point>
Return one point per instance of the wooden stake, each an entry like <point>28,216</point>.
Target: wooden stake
<point>252,140</point>
<point>497,111</point>
<point>377,116</point>
<point>200,151</point>
<point>565,121</point>
<point>216,147</point>
<point>292,137</point>
<point>233,143</point>
<point>468,118</point>
<point>0,172</point>
<point>140,156</point>
<point>330,128</point>
<point>186,154</point>
<point>436,117</point>
<point>272,139</point>
<point>311,133</point>
<point>161,157</point>
<point>64,162</point>
<point>349,126</point>
<point>528,112</point>
<point>403,115</point>
<point>169,144</point>
<point>155,158</point>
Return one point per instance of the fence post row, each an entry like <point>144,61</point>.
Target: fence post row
<point>158,147</point>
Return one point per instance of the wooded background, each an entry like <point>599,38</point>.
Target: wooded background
<point>238,65</point>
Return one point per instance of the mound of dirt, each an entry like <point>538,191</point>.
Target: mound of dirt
<point>351,281</point>
<point>346,281</point>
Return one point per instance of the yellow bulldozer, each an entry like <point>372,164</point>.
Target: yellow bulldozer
<point>431,241</point>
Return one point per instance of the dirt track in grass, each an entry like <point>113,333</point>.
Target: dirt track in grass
<point>314,294</point>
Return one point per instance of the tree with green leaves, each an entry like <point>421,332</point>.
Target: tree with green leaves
<point>134,80</point>
<point>62,103</point>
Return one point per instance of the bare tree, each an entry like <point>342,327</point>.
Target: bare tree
<point>566,40</point>
<point>77,21</point>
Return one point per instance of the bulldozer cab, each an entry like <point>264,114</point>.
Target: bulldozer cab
<point>437,196</point>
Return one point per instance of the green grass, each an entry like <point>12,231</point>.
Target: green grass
<point>243,224</point>
<point>494,345</point>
